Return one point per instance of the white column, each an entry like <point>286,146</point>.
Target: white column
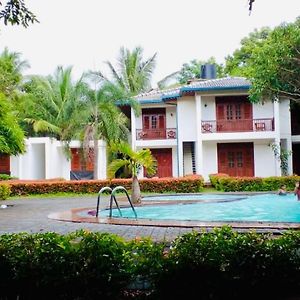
<point>133,129</point>
<point>277,135</point>
<point>198,144</point>
<point>102,160</point>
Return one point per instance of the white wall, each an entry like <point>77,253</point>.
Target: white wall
<point>45,159</point>
<point>187,119</point>
<point>263,111</point>
<point>285,118</point>
<point>171,117</point>
<point>264,160</point>
<point>208,108</point>
<point>210,159</point>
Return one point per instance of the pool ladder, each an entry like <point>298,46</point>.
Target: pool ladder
<point>113,198</point>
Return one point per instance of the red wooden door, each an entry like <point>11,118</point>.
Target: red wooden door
<point>164,162</point>
<point>233,114</point>
<point>4,163</point>
<point>236,159</point>
<point>78,163</point>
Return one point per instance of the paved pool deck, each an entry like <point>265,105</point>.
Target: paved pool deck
<point>31,215</point>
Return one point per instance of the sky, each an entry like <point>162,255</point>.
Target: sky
<point>85,34</point>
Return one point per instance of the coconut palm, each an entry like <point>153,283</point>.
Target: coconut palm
<point>102,118</point>
<point>132,73</point>
<point>134,161</point>
<point>53,104</point>
<point>11,67</point>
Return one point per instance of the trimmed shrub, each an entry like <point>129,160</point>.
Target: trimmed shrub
<point>221,264</point>
<point>155,185</point>
<point>5,191</point>
<point>225,183</point>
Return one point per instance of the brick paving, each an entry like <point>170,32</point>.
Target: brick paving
<point>30,215</point>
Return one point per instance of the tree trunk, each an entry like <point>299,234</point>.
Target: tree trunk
<point>136,191</point>
<point>96,154</point>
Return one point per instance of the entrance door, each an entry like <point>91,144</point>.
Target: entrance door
<point>164,161</point>
<point>4,164</point>
<point>236,159</point>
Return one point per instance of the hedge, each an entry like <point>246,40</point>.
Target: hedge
<point>156,185</point>
<point>225,183</point>
<point>221,264</point>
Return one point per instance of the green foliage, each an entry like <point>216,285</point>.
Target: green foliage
<point>221,264</point>
<point>53,105</point>
<point>283,156</point>
<point>11,135</point>
<point>133,73</point>
<point>226,183</point>
<point>237,63</point>
<point>6,177</point>
<point>15,12</point>
<point>274,68</point>
<point>134,160</point>
<point>228,265</point>
<point>5,191</point>
<point>192,70</point>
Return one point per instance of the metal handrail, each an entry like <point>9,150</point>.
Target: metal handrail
<point>113,198</point>
<point>117,188</point>
<point>106,188</point>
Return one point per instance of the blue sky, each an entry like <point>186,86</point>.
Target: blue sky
<point>86,33</point>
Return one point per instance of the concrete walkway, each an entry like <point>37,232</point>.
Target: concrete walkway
<point>30,215</point>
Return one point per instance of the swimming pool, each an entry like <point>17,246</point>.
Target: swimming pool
<point>223,208</point>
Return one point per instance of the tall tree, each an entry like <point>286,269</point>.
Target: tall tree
<point>132,72</point>
<point>134,161</point>
<point>274,68</point>
<point>237,63</point>
<point>11,135</point>
<point>102,118</point>
<point>53,104</point>
<point>11,68</point>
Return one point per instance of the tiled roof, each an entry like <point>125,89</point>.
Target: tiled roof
<point>227,83</point>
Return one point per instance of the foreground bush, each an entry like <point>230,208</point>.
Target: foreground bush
<point>156,185</point>
<point>218,265</point>
<point>225,183</point>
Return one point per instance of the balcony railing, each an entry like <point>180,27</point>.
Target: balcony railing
<point>237,125</point>
<point>156,134</point>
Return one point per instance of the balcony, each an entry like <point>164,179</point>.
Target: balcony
<point>249,125</point>
<point>156,134</point>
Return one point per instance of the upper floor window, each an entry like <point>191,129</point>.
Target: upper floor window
<point>154,118</point>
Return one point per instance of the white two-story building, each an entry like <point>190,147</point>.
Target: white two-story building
<point>209,126</point>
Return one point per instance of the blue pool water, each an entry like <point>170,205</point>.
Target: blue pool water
<point>263,207</point>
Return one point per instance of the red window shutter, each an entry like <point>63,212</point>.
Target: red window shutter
<point>145,122</point>
<point>247,108</point>
<point>161,122</point>
<point>220,111</point>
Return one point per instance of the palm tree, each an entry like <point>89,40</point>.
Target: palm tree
<point>102,118</point>
<point>11,67</point>
<point>53,104</point>
<point>134,161</point>
<point>132,73</point>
